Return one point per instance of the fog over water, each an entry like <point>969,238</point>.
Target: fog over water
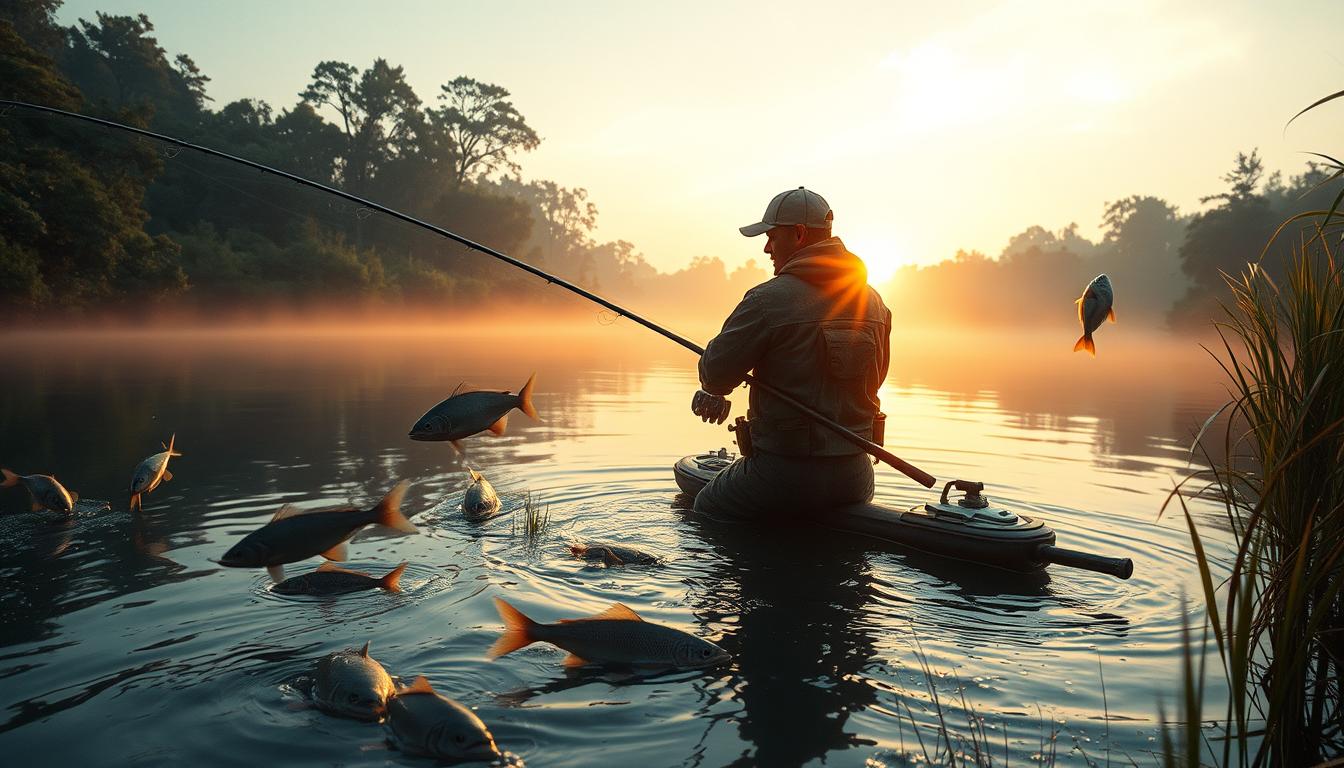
<point>119,627</point>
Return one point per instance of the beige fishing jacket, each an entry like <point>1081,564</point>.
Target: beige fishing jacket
<point>818,332</point>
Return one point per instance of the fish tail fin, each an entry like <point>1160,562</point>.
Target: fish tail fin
<point>1091,346</point>
<point>525,399</point>
<point>392,581</point>
<point>388,510</point>
<point>171,439</point>
<point>519,631</point>
<point>11,479</point>
<point>1083,341</point>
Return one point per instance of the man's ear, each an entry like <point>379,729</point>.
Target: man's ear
<point>799,232</point>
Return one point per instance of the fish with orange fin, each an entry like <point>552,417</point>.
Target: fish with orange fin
<point>45,491</point>
<point>151,472</point>
<point>421,721</point>
<point>295,534</point>
<point>1094,306</point>
<point>331,579</point>
<point>467,412</point>
<point>616,636</point>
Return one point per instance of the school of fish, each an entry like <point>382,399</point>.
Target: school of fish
<point>350,683</point>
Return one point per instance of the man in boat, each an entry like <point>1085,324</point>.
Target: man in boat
<point>818,332</point>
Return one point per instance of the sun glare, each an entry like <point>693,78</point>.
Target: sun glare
<point>882,254</point>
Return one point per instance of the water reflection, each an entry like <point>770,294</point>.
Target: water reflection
<point>791,605</point>
<point>101,607</point>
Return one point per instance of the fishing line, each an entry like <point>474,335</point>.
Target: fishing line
<point>869,447</point>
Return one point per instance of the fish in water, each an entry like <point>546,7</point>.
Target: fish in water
<point>45,491</point>
<point>613,554</point>
<point>421,721</point>
<point>464,414</point>
<point>331,579</point>
<point>1093,307</point>
<point>151,472</point>
<point>616,636</point>
<point>351,684</point>
<point>294,534</point>
<point>480,501</point>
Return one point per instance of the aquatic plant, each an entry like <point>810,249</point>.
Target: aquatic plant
<point>1277,621</point>
<point>533,519</point>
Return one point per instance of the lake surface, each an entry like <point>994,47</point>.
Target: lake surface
<point>122,641</point>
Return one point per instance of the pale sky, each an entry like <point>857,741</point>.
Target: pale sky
<point>928,129</point>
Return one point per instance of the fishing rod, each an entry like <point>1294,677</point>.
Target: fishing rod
<point>868,446</point>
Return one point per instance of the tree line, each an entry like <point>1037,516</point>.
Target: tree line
<point>91,221</point>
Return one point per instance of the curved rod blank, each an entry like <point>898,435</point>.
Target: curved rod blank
<point>869,447</point>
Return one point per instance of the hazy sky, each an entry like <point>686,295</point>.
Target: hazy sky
<point>927,128</point>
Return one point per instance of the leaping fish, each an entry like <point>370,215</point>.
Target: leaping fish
<point>295,534</point>
<point>465,413</point>
<point>1094,306</point>
<point>151,472</point>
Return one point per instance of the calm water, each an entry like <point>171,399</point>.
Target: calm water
<point>122,641</point>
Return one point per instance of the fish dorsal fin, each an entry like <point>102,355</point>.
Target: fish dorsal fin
<point>421,685</point>
<point>329,567</point>
<point>499,426</point>
<point>288,510</point>
<point>365,650</point>
<point>456,389</point>
<point>1110,313</point>
<point>617,612</point>
<point>572,661</point>
<point>475,476</point>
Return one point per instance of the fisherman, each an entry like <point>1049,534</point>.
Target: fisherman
<point>819,333</point>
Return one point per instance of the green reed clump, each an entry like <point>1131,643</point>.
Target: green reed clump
<point>1278,620</point>
<point>534,518</point>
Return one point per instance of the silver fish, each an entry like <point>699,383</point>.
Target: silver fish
<point>1093,307</point>
<point>294,534</point>
<point>616,636</point>
<point>151,472</point>
<point>613,554</point>
<point>331,579</point>
<point>480,501</point>
<point>351,684</point>
<point>464,414</point>
<point>423,722</point>
<point>45,491</point>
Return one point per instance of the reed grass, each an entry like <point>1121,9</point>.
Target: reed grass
<point>1277,620</point>
<point>533,519</point>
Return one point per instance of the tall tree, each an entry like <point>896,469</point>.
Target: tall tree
<point>71,215</point>
<point>1142,236</point>
<point>118,62</point>
<point>1224,239</point>
<point>379,114</point>
<point>485,129</point>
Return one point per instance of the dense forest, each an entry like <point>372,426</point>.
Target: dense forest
<point>94,222</point>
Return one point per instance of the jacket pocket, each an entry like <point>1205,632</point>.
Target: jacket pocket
<point>851,353</point>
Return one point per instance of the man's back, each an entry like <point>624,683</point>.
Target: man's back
<point>818,332</point>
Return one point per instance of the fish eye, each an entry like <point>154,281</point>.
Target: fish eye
<point>352,698</point>
<point>705,652</point>
<point>459,738</point>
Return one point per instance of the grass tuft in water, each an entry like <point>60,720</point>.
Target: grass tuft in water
<point>1278,620</point>
<point>533,520</point>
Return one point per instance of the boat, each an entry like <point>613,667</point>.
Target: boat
<point>967,528</point>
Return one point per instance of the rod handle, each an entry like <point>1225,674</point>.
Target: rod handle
<point>1119,567</point>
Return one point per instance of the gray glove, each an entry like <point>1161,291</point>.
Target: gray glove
<point>710,408</point>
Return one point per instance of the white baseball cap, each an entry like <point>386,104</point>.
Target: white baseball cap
<point>795,206</point>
